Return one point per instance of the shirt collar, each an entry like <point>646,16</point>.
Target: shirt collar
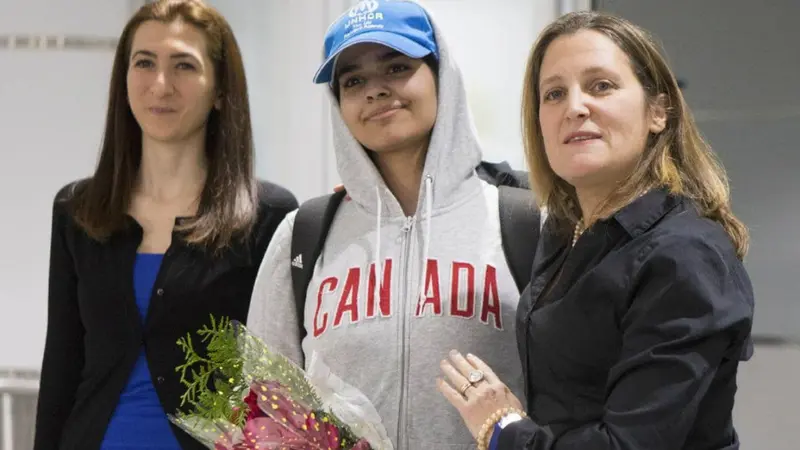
<point>641,214</point>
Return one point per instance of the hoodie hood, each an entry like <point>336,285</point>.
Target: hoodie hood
<point>453,151</point>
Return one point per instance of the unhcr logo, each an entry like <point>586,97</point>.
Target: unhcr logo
<point>362,16</point>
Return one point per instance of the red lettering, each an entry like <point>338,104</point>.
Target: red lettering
<point>386,285</point>
<point>349,301</point>
<point>491,301</point>
<point>455,290</point>
<point>329,285</point>
<point>463,296</point>
<point>431,283</point>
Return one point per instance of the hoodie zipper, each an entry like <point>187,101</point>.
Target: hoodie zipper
<point>408,228</point>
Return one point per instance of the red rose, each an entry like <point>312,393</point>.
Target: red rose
<point>331,435</point>
<point>252,403</point>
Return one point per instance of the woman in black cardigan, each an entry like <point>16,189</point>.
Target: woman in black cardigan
<point>639,308</point>
<point>169,230</point>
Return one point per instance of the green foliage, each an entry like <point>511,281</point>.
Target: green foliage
<point>215,386</point>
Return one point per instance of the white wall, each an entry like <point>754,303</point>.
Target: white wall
<point>52,106</point>
<point>491,41</point>
<point>281,41</point>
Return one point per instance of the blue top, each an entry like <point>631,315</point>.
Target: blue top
<point>139,421</point>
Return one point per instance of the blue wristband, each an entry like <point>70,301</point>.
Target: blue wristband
<point>495,441</point>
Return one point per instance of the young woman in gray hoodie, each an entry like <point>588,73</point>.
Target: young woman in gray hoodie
<point>417,218</point>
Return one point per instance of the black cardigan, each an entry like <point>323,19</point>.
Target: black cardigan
<point>637,343</point>
<point>94,331</point>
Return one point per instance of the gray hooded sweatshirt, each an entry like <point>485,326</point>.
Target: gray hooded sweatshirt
<point>444,281</point>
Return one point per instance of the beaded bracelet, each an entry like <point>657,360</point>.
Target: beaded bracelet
<point>483,443</point>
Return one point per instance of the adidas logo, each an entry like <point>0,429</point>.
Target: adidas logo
<point>298,261</point>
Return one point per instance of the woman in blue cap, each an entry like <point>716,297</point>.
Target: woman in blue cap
<point>418,218</point>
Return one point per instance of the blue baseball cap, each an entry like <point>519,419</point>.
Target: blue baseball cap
<point>398,24</point>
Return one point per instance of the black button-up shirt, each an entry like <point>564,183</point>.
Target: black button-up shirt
<point>636,344</point>
<point>95,332</point>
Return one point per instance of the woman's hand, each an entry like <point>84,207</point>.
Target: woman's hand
<point>474,400</point>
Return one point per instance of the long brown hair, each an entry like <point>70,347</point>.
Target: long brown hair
<point>677,158</point>
<point>228,202</point>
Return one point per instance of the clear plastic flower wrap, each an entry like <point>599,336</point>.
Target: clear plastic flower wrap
<point>241,395</point>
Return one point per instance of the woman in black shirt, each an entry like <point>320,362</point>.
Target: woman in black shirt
<point>169,230</point>
<point>639,308</point>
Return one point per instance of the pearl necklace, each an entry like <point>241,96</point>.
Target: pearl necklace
<point>578,232</point>
<point>579,224</point>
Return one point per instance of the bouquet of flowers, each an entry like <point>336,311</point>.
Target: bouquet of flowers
<point>244,396</point>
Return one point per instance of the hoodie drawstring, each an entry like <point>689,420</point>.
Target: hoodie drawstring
<point>378,262</point>
<point>426,239</point>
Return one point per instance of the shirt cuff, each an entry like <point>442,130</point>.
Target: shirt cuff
<point>517,435</point>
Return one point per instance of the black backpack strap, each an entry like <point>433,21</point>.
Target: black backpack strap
<point>519,230</point>
<point>501,174</point>
<point>311,224</point>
